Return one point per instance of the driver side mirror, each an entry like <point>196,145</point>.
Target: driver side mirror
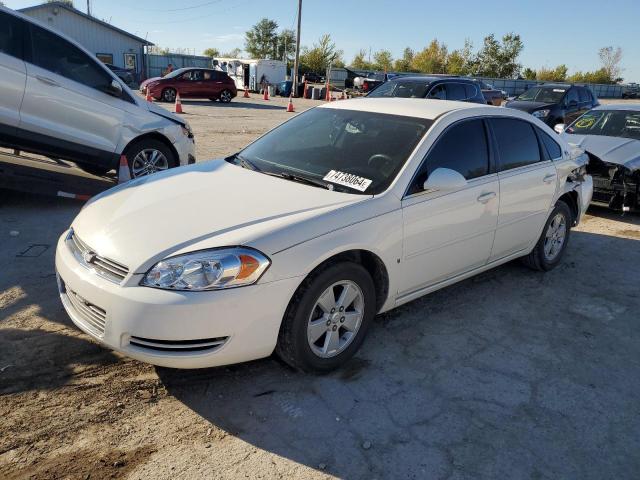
<point>559,128</point>
<point>114,88</point>
<point>444,180</point>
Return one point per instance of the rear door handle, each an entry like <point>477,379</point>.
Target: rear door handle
<point>549,178</point>
<point>485,197</point>
<point>47,80</point>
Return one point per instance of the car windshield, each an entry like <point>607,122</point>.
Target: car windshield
<point>611,123</point>
<point>346,150</point>
<point>176,73</point>
<point>401,88</point>
<point>543,94</point>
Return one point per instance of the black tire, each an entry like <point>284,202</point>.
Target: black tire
<point>293,347</point>
<point>168,95</point>
<point>226,96</point>
<point>537,260</point>
<point>135,148</point>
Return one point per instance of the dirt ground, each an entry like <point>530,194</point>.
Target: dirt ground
<point>512,374</point>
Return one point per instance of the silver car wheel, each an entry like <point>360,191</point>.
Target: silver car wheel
<point>555,237</point>
<point>225,96</point>
<point>335,319</point>
<point>148,161</point>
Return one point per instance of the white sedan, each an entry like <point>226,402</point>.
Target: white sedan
<point>295,243</point>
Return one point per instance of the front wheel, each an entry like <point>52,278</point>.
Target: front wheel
<point>148,156</point>
<point>551,245</point>
<point>328,318</point>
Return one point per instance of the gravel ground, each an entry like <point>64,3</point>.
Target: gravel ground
<point>512,374</point>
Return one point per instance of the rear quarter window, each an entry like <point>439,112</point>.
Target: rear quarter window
<point>552,148</point>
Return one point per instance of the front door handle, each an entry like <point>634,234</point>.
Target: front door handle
<point>485,197</point>
<point>549,178</point>
<point>47,80</point>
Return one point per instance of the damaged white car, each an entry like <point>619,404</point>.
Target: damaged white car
<point>610,134</point>
<point>295,243</point>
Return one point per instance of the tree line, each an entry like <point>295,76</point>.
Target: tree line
<point>496,57</point>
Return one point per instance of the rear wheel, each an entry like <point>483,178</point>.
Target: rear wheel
<point>149,156</point>
<point>551,245</point>
<point>328,318</point>
<point>169,95</point>
<point>226,96</point>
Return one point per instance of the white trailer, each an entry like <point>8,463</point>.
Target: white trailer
<point>251,73</point>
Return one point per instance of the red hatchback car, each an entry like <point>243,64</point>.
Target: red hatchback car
<point>194,83</point>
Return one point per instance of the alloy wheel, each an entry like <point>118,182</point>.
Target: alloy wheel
<point>335,319</point>
<point>555,237</point>
<point>169,95</point>
<point>225,96</point>
<point>148,161</point>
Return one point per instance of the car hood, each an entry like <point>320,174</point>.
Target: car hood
<point>621,151</point>
<point>163,112</point>
<point>206,205</point>
<point>148,81</point>
<point>527,106</point>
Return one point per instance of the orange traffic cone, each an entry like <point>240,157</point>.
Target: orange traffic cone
<point>290,106</point>
<point>304,92</point>
<point>327,97</point>
<point>246,93</point>
<point>178,103</point>
<point>124,173</point>
<point>266,93</point>
<point>149,98</point>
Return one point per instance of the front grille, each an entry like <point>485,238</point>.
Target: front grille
<point>601,182</point>
<point>92,316</point>
<point>178,346</point>
<point>106,268</point>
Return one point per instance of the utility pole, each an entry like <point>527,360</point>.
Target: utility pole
<point>89,7</point>
<point>297,61</point>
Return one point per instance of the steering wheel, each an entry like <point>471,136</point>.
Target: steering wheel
<point>378,158</point>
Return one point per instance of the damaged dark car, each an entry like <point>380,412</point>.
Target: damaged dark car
<point>610,134</point>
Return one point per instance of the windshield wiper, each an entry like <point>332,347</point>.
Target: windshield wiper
<point>243,162</point>
<point>299,179</point>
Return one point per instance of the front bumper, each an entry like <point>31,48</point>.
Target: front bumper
<point>186,149</point>
<point>173,329</point>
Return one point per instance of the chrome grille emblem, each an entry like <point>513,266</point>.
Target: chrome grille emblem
<point>88,256</point>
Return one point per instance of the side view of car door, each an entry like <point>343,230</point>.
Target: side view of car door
<point>13,75</point>
<point>449,231</point>
<point>528,181</point>
<point>66,109</point>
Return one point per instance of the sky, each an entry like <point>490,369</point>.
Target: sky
<point>553,32</point>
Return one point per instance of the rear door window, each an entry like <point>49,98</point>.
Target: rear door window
<point>516,141</point>
<point>584,95</point>
<point>11,35</point>
<point>455,91</point>
<point>463,148</point>
<point>55,54</point>
<point>470,90</point>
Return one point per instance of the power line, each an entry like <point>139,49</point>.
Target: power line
<point>194,6</point>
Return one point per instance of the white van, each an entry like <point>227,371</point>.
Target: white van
<point>58,100</point>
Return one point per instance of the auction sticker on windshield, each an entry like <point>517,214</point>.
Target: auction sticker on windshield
<point>348,180</point>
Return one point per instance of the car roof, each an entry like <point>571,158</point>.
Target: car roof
<point>555,85</point>
<point>619,106</point>
<point>417,107</point>
<point>428,78</point>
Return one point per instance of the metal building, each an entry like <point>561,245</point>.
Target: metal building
<point>110,44</point>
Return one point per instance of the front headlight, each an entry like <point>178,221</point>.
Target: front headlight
<point>541,113</point>
<point>186,130</point>
<point>213,269</point>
